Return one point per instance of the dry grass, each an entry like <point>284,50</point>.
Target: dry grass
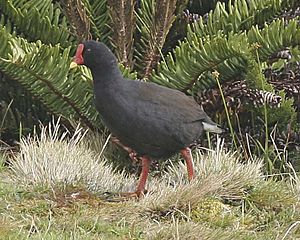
<point>234,176</point>
<point>228,199</point>
<point>55,158</point>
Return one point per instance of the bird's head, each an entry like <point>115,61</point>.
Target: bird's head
<point>93,54</point>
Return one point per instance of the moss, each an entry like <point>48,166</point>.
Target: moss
<point>214,212</point>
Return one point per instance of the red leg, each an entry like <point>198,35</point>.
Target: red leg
<point>187,155</point>
<point>144,175</point>
<point>140,190</point>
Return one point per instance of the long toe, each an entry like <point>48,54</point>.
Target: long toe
<point>131,195</point>
<point>121,197</point>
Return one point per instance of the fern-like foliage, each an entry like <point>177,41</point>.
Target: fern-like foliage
<point>236,39</point>
<point>238,16</point>
<point>18,108</point>
<point>189,66</point>
<point>44,71</point>
<point>182,68</point>
<point>37,20</point>
<point>275,37</point>
<point>98,14</point>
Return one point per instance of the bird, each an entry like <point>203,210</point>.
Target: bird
<point>148,120</point>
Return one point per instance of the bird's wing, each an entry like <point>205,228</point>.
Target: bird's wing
<point>157,114</point>
<point>170,101</point>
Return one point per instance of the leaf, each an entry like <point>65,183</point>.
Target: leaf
<point>37,20</point>
<point>44,71</point>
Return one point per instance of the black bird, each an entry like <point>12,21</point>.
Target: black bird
<point>154,121</point>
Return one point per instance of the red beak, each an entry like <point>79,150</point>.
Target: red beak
<point>78,59</point>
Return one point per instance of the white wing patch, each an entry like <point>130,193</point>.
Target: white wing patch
<point>211,128</point>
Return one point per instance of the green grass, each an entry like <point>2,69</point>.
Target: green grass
<point>71,197</point>
<point>39,213</point>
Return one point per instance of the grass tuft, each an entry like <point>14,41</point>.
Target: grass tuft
<point>226,169</point>
<point>59,159</point>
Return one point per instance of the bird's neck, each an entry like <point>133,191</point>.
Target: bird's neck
<point>106,77</point>
<point>106,87</point>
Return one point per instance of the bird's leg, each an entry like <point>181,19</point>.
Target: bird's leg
<point>187,155</point>
<point>132,154</point>
<point>140,190</point>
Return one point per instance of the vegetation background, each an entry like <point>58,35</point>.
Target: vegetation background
<point>239,59</point>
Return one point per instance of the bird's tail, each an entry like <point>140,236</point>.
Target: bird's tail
<point>208,127</point>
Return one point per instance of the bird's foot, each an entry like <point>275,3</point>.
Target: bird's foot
<point>123,196</point>
<point>133,195</point>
